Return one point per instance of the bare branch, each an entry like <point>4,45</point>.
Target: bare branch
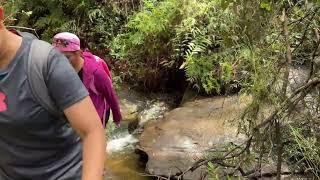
<point>291,102</point>
<point>288,54</point>
<point>306,30</point>
<point>314,54</point>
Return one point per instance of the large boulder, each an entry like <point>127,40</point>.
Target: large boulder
<point>186,133</point>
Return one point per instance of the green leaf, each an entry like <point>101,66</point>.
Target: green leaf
<point>265,5</point>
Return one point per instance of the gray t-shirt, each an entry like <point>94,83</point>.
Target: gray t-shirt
<point>33,144</point>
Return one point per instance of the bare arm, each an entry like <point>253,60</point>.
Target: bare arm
<point>85,120</point>
<point>70,95</point>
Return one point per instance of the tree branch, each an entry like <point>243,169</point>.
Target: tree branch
<point>314,54</point>
<point>288,54</point>
<point>287,103</point>
<point>306,30</point>
<point>302,91</point>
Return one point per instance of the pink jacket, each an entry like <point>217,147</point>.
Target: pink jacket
<point>99,86</point>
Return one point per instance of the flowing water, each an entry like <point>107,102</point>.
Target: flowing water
<point>122,162</point>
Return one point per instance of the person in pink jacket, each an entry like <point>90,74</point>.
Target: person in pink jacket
<point>94,74</point>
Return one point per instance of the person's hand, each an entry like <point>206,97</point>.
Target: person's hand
<point>117,122</point>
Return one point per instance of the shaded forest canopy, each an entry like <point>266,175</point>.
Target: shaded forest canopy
<point>213,45</point>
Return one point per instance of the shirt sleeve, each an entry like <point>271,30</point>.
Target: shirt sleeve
<point>109,94</point>
<point>63,82</point>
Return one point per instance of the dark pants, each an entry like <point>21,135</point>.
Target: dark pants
<point>107,117</point>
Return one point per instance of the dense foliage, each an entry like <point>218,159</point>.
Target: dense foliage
<point>96,22</point>
<point>218,47</point>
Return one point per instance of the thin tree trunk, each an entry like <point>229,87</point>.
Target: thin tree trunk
<point>288,54</point>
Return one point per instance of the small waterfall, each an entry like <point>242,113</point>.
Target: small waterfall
<point>121,140</point>
<point>122,162</point>
<point>121,143</point>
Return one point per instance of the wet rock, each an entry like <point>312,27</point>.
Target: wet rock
<point>186,133</point>
<point>131,103</point>
<point>297,77</point>
<point>154,110</point>
<point>129,110</point>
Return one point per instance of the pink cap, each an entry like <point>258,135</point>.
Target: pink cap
<point>66,42</point>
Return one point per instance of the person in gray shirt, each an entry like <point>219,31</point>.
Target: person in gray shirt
<point>34,144</point>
